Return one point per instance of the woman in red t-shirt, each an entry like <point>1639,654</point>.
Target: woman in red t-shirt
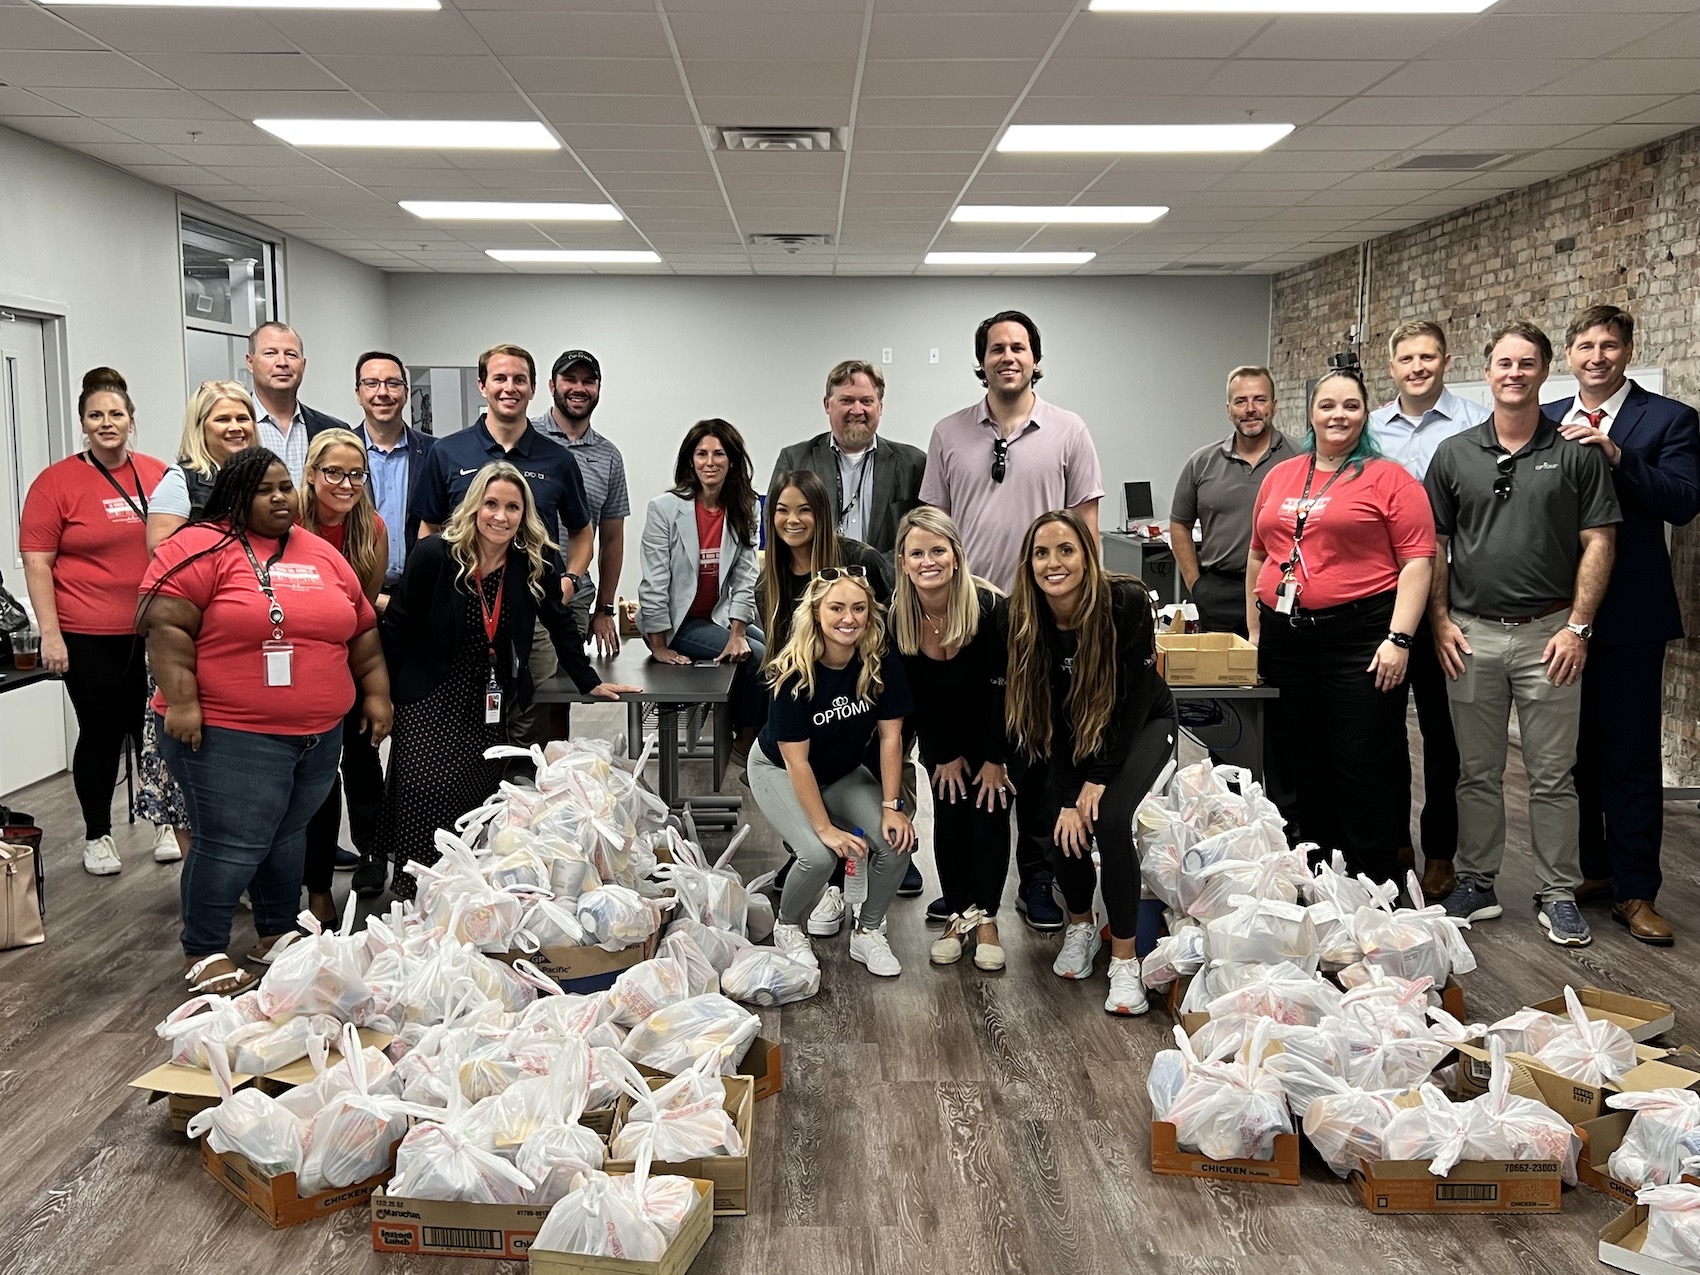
<point>84,544</point>
<point>258,636</point>
<point>1342,550</point>
<point>337,506</point>
<point>697,598</point>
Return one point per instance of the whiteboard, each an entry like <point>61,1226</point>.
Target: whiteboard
<point>1558,387</point>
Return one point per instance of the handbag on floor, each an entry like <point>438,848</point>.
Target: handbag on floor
<point>20,910</point>
<point>18,828</point>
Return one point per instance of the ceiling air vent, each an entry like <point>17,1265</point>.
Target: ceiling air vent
<point>1453,162</point>
<point>776,139</point>
<point>790,242</point>
<point>1203,267</point>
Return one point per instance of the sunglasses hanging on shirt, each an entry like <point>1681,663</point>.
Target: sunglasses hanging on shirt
<point>1000,459</point>
<point>1507,464</point>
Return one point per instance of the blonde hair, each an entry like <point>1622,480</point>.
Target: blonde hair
<point>460,533</point>
<point>192,450</point>
<point>801,653</point>
<point>963,610</point>
<point>360,528</point>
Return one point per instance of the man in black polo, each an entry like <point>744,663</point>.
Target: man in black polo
<point>507,378</point>
<point>1217,487</point>
<point>1530,520</point>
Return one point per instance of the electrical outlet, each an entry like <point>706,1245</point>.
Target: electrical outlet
<point>933,355</point>
<point>885,354</point>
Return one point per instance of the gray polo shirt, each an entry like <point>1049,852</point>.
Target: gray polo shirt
<point>1218,488</point>
<point>1517,555</point>
<point>603,469</point>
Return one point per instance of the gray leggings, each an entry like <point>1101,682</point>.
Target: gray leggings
<point>852,802</point>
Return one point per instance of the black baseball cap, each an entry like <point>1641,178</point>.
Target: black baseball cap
<point>576,356</point>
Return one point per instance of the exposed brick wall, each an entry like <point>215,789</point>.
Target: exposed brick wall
<point>1634,220</point>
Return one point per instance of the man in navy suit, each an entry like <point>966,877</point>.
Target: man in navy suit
<point>1653,445</point>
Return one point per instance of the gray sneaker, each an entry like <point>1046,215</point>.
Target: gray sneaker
<point>1562,920</point>
<point>1472,901</point>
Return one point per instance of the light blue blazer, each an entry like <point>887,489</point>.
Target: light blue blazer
<point>670,560</point>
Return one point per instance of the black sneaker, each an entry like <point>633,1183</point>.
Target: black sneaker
<point>1562,920</point>
<point>1033,900</point>
<point>370,877</point>
<point>1472,901</point>
<point>938,911</point>
<point>912,882</point>
<point>346,860</point>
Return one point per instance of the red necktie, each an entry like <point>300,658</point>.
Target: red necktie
<point>1595,417</point>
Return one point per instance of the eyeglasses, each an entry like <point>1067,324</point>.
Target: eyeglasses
<point>337,477</point>
<point>1502,484</point>
<point>372,383</point>
<point>852,572</point>
<point>1000,459</point>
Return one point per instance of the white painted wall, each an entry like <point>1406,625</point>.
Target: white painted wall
<point>1142,359</point>
<point>341,308</point>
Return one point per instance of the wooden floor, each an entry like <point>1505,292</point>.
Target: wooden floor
<point>948,1120</point>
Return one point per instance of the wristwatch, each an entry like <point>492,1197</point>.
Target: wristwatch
<point>1400,640</point>
<point>1583,631</point>
<point>577,580</point>
<point>894,804</point>
<point>604,608</point>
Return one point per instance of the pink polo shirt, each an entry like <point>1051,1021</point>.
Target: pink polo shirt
<point>1051,465</point>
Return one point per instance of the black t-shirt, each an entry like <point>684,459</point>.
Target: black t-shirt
<point>836,723</point>
<point>959,703</point>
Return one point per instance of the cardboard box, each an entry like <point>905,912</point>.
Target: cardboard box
<point>1642,1019</point>
<point>276,1199</point>
<point>730,1174</point>
<point>762,1064</point>
<point>1206,659</point>
<point>448,1228</point>
<point>1620,1245</point>
<point>1575,1101</point>
<point>1169,1160</point>
<point>1473,1186</point>
<point>1600,1137</point>
<point>585,969</point>
<point>699,1223</point>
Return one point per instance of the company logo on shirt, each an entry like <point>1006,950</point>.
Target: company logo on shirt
<point>1551,464</point>
<point>118,510</point>
<point>299,576</point>
<point>842,709</point>
<point>535,476</point>
<point>1068,665</point>
<point>1291,505</point>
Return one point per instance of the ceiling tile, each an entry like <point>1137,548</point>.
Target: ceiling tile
<point>291,71</point>
<point>959,35</point>
<point>38,29</point>
<point>1130,78</point>
<point>594,75</point>
<point>46,68</point>
<point>607,35</point>
<point>924,111</point>
<point>1118,35</point>
<point>966,77</point>
<point>22,104</point>
<point>567,109</point>
<point>1477,77</point>
<point>1439,110</point>
<point>146,104</point>
<point>790,78</point>
<point>466,74</point>
<point>1515,37</point>
<point>382,36</point>
<point>740,35</point>
<point>1317,36</point>
<point>139,30</point>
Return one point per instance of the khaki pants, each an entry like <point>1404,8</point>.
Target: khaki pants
<point>1505,669</point>
<point>539,723</point>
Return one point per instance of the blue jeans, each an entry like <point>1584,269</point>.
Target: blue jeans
<point>703,640</point>
<point>250,797</point>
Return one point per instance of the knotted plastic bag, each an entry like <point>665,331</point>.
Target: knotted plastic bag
<point>1673,1224</point>
<point>1652,1151</point>
<point>766,976</point>
<point>1594,1051</point>
<point>700,975</point>
<point>646,988</point>
<point>1177,955</point>
<point>684,1119</point>
<point>353,1136</point>
<point>1262,932</point>
<point>434,1162</point>
<point>614,917</point>
<point>250,1124</point>
<point>673,1038</point>
<point>1230,1110</point>
<point>604,1217</point>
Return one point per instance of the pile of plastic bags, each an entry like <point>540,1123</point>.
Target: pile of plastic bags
<point>1673,1224</point>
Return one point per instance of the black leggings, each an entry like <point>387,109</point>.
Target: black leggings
<point>363,780</point>
<point>970,849</point>
<point>1152,746</point>
<point>108,685</point>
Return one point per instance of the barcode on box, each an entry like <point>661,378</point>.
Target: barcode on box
<point>463,1237</point>
<point>1480,1070</point>
<point>1473,1192</point>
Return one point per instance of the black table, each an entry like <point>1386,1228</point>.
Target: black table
<point>11,677</point>
<point>673,689</point>
<point>1249,751</point>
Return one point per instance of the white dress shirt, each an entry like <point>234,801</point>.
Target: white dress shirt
<point>1578,415</point>
<point>1412,442</point>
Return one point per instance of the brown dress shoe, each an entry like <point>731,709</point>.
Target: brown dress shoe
<point>1407,858</point>
<point>1438,879</point>
<point>1595,890</point>
<point>1644,923</point>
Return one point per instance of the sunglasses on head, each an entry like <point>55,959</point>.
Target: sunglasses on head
<point>852,572</point>
<point>1000,459</point>
<point>1502,484</point>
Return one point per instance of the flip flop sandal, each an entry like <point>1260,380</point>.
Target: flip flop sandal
<point>265,953</point>
<point>237,979</point>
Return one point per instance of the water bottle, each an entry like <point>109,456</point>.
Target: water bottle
<point>855,882</point>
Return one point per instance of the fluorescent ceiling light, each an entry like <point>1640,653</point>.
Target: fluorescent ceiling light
<point>575,256</point>
<point>493,210</point>
<point>245,4</point>
<point>1061,214</point>
<point>437,135</point>
<point>1152,139</point>
<point>1009,258</point>
<point>1291,6</point>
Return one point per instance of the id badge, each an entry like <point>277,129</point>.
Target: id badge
<point>278,659</point>
<point>1286,594</point>
<point>492,703</point>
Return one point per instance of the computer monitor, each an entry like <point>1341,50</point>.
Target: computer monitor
<point>1136,504</point>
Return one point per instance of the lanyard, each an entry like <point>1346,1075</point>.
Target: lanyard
<point>844,507</point>
<point>492,614</point>
<point>106,473</point>
<point>1306,503</point>
<point>264,576</point>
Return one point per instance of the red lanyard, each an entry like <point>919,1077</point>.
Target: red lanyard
<point>492,615</point>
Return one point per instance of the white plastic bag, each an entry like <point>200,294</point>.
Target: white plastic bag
<point>1230,1110</point>
<point>684,1119</point>
<point>554,1156</point>
<point>1282,992</point>
<point>1528,1031</point>
<point>434,1162</point>
<point>700,975</point>
<point>673,1038</point>
<point>1177,955</point>
<point>1414,943</point>
<point>614,917</point>
<point>1262,932</point>
<point>1673,1224</point>
<point>602,1218</point>
<point>250,1124</point>
<point>263,1047</point>
<point>647,987</point>
<point>1208,893</point>
<point>766,976</point>
<point>353,1136</point>
<point>1594,1051</point>
<point>1651,1153</point>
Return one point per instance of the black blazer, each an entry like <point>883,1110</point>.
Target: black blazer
<point>1658,481</point>
<point>318,422</point>
<point>418,448</point>
<point>425,623</point>
<point>898,469</point>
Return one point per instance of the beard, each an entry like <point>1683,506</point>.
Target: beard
<point>855,438</point>
<point>573,411</point>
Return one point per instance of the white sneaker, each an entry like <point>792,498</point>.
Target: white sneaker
<point>791,940</point>
<point>1081,944</point>
<point>828,917</point>
<point>100,857</point>
<point>1127,989</point>
<point>165,847</point>
<point>871,949</point>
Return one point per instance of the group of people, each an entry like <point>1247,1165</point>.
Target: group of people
<point>1489,557</point>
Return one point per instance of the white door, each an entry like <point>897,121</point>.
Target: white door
<point>27,445</point>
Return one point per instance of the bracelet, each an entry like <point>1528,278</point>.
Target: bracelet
<point>1400,640</point>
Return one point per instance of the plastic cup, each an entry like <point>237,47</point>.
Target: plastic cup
<point>26,650</point>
